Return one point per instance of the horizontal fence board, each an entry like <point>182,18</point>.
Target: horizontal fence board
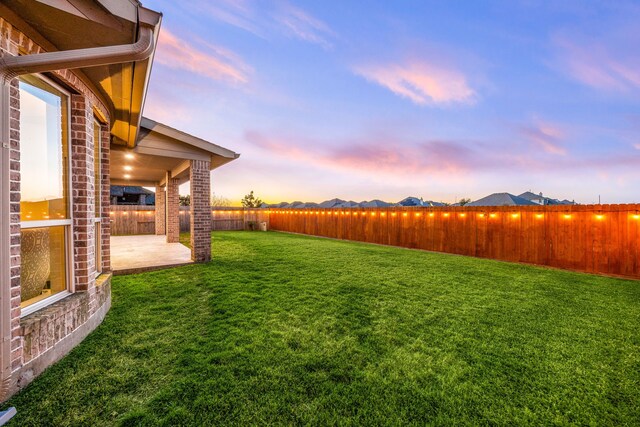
<point>591,238</point>
<point>130,219</point>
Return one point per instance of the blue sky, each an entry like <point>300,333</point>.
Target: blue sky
<point>441,100</point>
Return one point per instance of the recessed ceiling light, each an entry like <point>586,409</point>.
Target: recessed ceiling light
<point>127,176</point>
<point>128,168</point>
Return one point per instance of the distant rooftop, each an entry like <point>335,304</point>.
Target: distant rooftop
<point>542,200</point>
<point>528,198</point>
<point>502,199</point>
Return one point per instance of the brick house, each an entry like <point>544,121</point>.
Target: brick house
<point>74,74</point>
<point>132,195</point>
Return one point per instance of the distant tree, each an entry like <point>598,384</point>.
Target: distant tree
<point>445,203</point>
<point>463,202</point>
<point>185,200</point>
<point>218,201</point>
<point>251,201</point>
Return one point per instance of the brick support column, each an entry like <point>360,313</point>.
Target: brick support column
<point>83,195</point>
<point>14,223</point>
<point>105,178</point>
<point>173,210</point>
<point>161,214</point>
<point>200,178</point>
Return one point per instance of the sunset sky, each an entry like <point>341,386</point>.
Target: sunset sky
<point>440,100</point>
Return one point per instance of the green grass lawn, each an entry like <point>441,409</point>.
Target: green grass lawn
<point>284,329</point>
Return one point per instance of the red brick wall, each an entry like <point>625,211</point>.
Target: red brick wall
<point>200,179</point>
<point>173,210</point>
<point>14,209</point>
<point>83,192</point>
<point>161,214</point>
<point>105,226</point>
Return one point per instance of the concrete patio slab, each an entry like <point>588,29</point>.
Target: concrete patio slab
<point>136,254</point>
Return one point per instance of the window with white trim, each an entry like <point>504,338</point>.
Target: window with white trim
<point>45,209</point>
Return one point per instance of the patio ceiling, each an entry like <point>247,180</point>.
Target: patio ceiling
<point>160,149</point>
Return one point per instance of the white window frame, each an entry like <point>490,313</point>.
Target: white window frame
<point>97,229</point>
<point>97,221</point>
<point>67,223</point>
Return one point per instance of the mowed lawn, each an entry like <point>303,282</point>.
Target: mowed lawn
<point>284,329</point>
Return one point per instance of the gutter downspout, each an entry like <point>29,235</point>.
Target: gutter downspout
<point>10,68</point>
<point>13,66</point>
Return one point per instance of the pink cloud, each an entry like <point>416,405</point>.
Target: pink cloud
<point>433,157</point>
<point>546,136</point>
<point>422,82</point>
<point>158,111</point>
<point>636,146</point>
<point>305,27</point>
<point>212,62</point>
<point>379,155</point>
<point>397,157</point>
<point>283,18</point>
<point>606,63</point>
<point>276,145</point>
<point>237,13</point>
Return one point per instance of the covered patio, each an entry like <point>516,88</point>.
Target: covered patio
<point>165,158</point>
<point>135,254</point>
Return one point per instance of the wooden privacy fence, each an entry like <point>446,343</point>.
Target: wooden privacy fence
<point>223,218</point>
<point>590,238</point>
<point>126,220</point>
<point>129,220</point>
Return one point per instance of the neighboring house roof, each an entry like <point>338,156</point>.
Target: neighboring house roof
<point>349,204</point>
<point>547,200</point>
<point>375,204</point>
<point>531,196</point>
<point>501,199</point>
<point>120,190</point>
<point>117,191</point>
<point>124,190</point>
<point>560,202</point>
<point>337,203</point>
<point>275,205</point>
<point>332,203</point>
<point>302,205</point>
<point>411,201</point>
<point>495,199</point>
<point>414,201</point>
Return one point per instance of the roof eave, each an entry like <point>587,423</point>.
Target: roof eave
<point>200,143</point>
<point>140,78</point>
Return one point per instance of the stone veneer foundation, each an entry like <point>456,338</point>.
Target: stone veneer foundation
<point>49,334</point>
